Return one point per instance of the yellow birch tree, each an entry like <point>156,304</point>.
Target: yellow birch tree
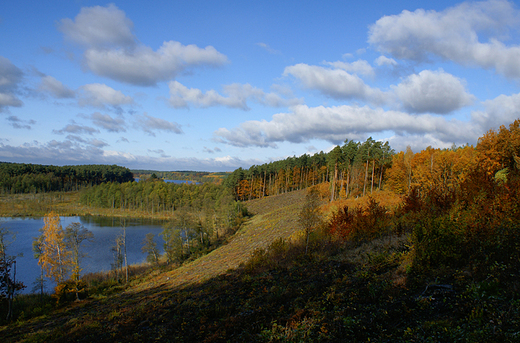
<point>54,258</point>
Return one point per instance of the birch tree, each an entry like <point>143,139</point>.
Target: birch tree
<point>55,258</point>
<point>75,235</point>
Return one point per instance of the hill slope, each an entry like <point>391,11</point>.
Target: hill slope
<point>107,318</point>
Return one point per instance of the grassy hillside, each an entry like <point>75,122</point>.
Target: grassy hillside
<point>108,316</point>
<point>335,293</point>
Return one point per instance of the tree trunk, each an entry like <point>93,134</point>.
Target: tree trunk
<point>373,168</point>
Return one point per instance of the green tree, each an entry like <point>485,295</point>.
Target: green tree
<point>172,244</point>
<point>75,235</point>
<point>150,248</point>
<point>117,249</point>
<point>8,283</point>
<point>310,216</point>
<point>37,248</point>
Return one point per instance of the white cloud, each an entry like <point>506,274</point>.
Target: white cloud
<point>359,67</point>
<point>99,27</point>
<point>269,49</point>
<point>108,123</point>
<point>383,60</point>
<point>10,80</point>
<point>146,67</point>
<point>76,129</point>
<point>418,142</point>
<point>499,111</point>
<point>101,95</point>
<point>335,83</point>
<point>335,124</point>
<point>55,88</point>
<point>113,51</point>
<point>454,34</point>
<point>150,124</point>
<point>71,152</point>
<point>237,97</point>
<point>432,91</point>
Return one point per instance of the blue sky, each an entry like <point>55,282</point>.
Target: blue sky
<point>217,85</point>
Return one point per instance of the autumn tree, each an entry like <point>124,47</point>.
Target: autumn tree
<point>55,258</point>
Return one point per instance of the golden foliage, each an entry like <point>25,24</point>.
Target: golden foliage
<point>55,258</point>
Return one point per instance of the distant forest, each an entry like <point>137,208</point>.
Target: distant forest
<point>194,176</point>
<point>16,178</point>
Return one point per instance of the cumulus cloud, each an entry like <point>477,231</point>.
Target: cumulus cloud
<point>101,95</point>
<point>55,88</point>
<point>112,50</point>
<point>427,92</point>
<point>99,27</point>
<point>455,34</point>
<point>359,67</point>
<point>237,97</point>
<point>499,111</point>
<point>10,80</point>
<point>108,123</point>
<point>432,91</point>
<point>383,60</point>
<point>151,124</point>
<point>335,83</point>
<point>334,124</point>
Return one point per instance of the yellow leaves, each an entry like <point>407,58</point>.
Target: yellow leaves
<point>431,168</point>
<point>54,259</point>
<point>498,150</point>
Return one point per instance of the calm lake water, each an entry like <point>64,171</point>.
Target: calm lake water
<point>100,254</point>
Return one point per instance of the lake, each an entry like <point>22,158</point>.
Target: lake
<point>100,254</point>
<point>178,182</point>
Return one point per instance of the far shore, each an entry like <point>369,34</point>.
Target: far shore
<point>65,204</point>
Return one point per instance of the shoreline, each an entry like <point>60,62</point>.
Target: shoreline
<point>65,204</point>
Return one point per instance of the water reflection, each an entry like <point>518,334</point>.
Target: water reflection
<point>99,251</point>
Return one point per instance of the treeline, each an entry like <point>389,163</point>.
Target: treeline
<point>201,216</point>
<point>442,170</point>
<point>156,196</point>
<point>16,178</point>
<point>352,169</point>
<point>460,208</point>
<point>193,176</point>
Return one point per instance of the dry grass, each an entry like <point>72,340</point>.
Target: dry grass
<point>274,217</point>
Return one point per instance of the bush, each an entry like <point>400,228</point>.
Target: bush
<point>361,224</point>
